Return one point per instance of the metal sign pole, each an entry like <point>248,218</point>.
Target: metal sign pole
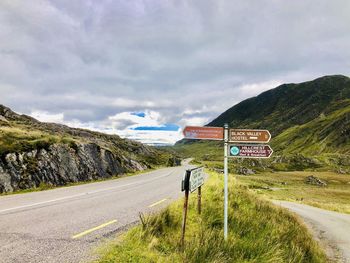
<point>225,180</point>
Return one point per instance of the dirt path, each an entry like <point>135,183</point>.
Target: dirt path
<point>332,229</point>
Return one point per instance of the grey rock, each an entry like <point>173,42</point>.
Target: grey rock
<point>2,118</point>
<point>60,165</point>
<point>315,181</point>
<point>341,171</point>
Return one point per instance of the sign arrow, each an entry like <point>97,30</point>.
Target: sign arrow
<point>250,151</point>
<point>249,136</point>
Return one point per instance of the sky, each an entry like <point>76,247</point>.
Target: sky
<point>144,69</point>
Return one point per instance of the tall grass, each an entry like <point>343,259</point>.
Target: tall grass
<point>258,232</point>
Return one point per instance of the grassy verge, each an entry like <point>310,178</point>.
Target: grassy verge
<point>258,232</point>
<point>291,186</point>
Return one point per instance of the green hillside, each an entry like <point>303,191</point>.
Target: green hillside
<point>328,133</point>
<point>289,105</point>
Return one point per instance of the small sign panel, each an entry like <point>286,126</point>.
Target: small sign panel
<point>204,133</point>
<point>250,151</point>
<point>196,179</point>
<point>192,179</point>
<point>249,136</point>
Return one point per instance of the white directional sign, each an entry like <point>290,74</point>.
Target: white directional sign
<point>196,178</point>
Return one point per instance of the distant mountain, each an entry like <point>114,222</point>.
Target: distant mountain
<point>35,154</point>
<point>289,105</point>
<point>311,117</point>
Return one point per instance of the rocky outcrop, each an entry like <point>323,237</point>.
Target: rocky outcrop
<point>314,181</point>
<point>61,164</point>
<point>8,115</point>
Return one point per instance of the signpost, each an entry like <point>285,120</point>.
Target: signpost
<point>249,147</point>
<point>203,133</point>
<point>225,181</point>
<point>192,180</point>
<point>250,151</point>
<point>249,136</point>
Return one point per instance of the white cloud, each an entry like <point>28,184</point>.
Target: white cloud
<point>152,118</point>
<point>48,117</point>
<point>122,124</point>
<point>253,89</point>
<point>129,103</point>
<point>194,121</point>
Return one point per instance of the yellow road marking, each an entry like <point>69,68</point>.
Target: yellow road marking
<point>93,229</point>
<point>159,202</point>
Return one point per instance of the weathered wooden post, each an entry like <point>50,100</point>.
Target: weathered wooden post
<point>186,188</point>
<point>184,218</point>
<point>199,200</point>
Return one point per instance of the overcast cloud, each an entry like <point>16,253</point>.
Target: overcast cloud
<point>93,64</point>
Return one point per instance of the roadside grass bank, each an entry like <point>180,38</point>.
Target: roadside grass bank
<point>292,186</point>
<point>258,232</point>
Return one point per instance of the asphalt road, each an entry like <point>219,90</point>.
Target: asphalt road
<point>332,229</point>
<point>65,224</point>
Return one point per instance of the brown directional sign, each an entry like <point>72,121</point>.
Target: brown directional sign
<point>204,133</point>
<point>250,151</point>
<point>249,136</point>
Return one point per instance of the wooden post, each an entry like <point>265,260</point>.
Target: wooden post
<point>184,217</point>
<point>199,200</point>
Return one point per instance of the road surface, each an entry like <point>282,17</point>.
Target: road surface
<point>332,229</point>
<point>65,224</point>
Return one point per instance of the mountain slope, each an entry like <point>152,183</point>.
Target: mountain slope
<point>33,153</point>
<point>288,105</point>
<point>328,133</point>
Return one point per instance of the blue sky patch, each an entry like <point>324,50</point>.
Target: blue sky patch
<point>139,114</point>
<point>166,127</point>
